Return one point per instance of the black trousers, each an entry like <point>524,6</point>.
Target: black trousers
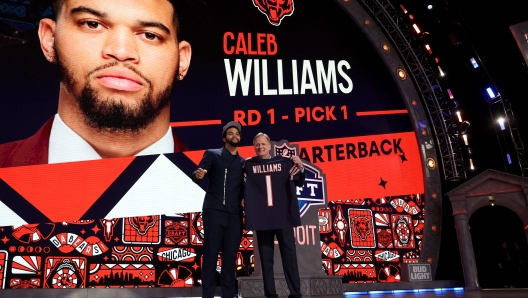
<point>222,232</point>
<point>288,253</point>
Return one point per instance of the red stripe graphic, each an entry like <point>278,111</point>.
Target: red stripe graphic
<point>195,123</point>
<point>386,112</point>
<point>351,177</point>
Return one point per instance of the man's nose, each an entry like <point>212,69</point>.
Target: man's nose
<point>121,45</point>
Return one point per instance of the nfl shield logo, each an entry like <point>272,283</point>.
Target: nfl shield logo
<point>313,192</point>
<point>283,148</point>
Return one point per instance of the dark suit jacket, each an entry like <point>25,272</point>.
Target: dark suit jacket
<point>34,150</point>
<point>226,180</point>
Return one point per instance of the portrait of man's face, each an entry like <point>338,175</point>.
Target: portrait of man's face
<point>118,59</point>
<point>232,137</point>
<point>262,146</point>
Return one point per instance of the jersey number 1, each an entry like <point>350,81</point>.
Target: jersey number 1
<point>269,191</point>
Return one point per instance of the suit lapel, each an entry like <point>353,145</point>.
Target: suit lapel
<point>31,151</point>
<point>228,156</point>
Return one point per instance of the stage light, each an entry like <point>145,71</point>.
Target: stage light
<point>416,28</point>
<point>430,7</point>
<point>474,62</point>
<point>441,71</point>
<point>401,74</point>
<point>403,8</point>
<point>434,228</point>
<point>430,261</point>
<point>501,123</point>
<point>509,158</point>
<point>411,17</point>
<point>428,48</point>
<point>459,116</point>
<point>465,140</point>
<point>431,163</point>
<point>471,166</point>
<point>402,291</point>
<point>490,92</point>
<point>450,94</point>
<point>437,60</point>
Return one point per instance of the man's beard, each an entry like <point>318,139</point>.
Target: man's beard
<point>230,142</point>
<point>113,115</point>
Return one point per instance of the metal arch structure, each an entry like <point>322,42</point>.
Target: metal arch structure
<point>429,110</point>
<point>426,82</point>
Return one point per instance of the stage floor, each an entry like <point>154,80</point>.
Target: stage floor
<point>174,293</point>
<point>487,293</point>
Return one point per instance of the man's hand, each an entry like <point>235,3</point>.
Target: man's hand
<point>297,161</point>
<point>200,173</point>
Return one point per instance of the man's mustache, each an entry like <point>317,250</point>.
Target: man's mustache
<point>125,65</point>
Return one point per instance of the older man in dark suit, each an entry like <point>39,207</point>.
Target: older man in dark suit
<point>222,211</point>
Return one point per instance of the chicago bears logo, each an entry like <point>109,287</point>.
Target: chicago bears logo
<point>275,10</point>
<point>313,192</point>
<point>362,227</point>
<point>142,223</point>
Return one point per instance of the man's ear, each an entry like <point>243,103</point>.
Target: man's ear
<point>46,34</point>
<point>185,58</point>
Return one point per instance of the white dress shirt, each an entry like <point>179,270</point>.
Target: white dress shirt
<point>67,146</point>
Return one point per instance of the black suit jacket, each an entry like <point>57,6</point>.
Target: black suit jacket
<point>226,180</point>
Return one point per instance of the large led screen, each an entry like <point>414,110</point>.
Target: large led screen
<point>117,206</point>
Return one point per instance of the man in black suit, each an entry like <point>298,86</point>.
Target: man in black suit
<point>280,225</point>
<point>222,211</point>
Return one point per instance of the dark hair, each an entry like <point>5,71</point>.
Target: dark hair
<point>57,6</point>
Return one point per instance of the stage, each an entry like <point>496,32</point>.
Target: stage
<point>421,293</point>
<point>196,292</point>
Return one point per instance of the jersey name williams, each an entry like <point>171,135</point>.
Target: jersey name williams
<point>267,168</point>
